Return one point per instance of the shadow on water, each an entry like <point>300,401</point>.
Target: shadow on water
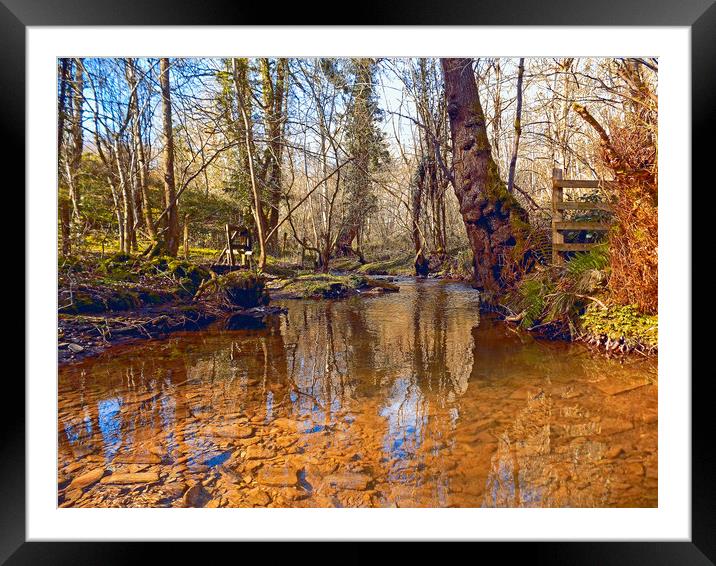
<point>406,399</point>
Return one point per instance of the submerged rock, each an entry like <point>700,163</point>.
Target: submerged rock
<point>357,482</point>
<point>258,453</point>
<point>258,498</point>
<point>278,477</point>
<point>87,479</point>
<point>130,478</point>
<point>196,496</point>
<point>234,431</point>
<point>137,459</point>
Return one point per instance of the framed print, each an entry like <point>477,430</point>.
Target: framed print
<point>398,280</point>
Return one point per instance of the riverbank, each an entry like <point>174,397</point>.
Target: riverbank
<point>103,302</point>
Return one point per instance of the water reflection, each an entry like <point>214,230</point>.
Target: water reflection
<point>406,399</point>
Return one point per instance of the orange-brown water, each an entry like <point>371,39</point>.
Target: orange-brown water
<point>405,400</point>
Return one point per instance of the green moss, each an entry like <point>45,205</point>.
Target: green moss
<point>83,302</point>
<point>346,264</point>
<point>278,269</point>
<point>244,288</point>
<point>622,323</point>
<point>154,298</point>
<point>188,275</point>
<point>117,267</point>
<point>325,285</point>
<point>122,299</point>
<point>399,266</point>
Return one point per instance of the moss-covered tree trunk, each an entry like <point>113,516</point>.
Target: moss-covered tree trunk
<point>494,220</point>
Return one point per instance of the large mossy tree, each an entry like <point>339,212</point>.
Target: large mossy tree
<point>495,222</point>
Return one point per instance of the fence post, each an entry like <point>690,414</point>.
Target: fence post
<point>229,247</point>
<point>557,196</point>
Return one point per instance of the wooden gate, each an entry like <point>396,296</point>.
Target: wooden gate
<point>559,205</point>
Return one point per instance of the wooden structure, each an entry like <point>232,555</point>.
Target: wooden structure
<point>238,246</point>
<point>559,205</point>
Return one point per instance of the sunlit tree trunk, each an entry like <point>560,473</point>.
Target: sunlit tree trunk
<point>63,199</point>
<point>170,237</point>
<point>141,165</point>
<point>492,217</point>
<point>257,207</point>
<point>421,263</point>
<point>518,126</point>
<point>273,99</point>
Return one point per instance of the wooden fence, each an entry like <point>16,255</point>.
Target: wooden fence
<point>559,225</point>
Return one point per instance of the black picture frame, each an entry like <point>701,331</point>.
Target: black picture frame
<point>699,15</point>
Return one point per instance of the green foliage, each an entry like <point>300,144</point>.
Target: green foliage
<point>596,258</point>
<point>622,323</point>
<point>559,296</point>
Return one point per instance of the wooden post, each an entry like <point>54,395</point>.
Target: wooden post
<point>557,197</point>
<point>229,248</point>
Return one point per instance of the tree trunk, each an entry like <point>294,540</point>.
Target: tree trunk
<point>273,98</point>
<point>248,138</point>
<point>170,237</point>
<point>421,264</point>
<point>63,200</point>
<point>142,167</point>
<point>518,127</point>
<point>494,220</point>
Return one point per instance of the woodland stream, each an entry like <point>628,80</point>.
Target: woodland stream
<point>408,399</point>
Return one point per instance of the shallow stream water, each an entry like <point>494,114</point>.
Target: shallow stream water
<point>407,399</point>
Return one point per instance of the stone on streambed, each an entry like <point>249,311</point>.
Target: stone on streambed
<point>615,425</point>
<point>617,386</point>
<point>278,476</point>
<point>258,498</point>
<point>357,482</point>
<point>131,478</point>
<point>285,424</point>
<point>87,479</point>
<point>258,453</point>
<point>196,496</point>
<point>137,459</point>
<point>233,431</point>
